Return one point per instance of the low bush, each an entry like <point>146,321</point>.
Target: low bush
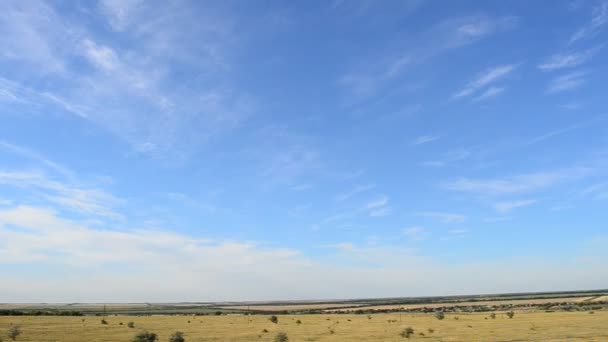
<point>177,336</point>
<point>14,332</point>
<point>145,336</point>
<point>407,332</point>
<point>281,337</point>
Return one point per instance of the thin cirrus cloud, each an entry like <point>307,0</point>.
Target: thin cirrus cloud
<point>485,78</point>
<point>378,207</point>
<point>599,19</point>
<point>569,60</point>
<point>507,206</point>
<point>368,78</point>
<point>130,88</point>
<point>443,216</point>
<point>424,139</point>
<point>520,183</point>
<point>566,82</point>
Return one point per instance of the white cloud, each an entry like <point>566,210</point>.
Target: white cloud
<point>489,93</point>
<point>85,200</point>
<point>355,191</point>
<point>515,184</point>
<point>130,92</point>
<point>101,56</point>
<point>566,82</point>
<point>599,18</point>
<point>505,207</point>
<point>484,79</point>
<point>100,265</point>
<point>414,233</point>
<point>444,217</point>
<point>36,157</point>
<point>378,207</point>
<point>423,140</point>
<point>119,12</point>
<point>377,203</point>
<point>369,77</point>
<point>568,60</point>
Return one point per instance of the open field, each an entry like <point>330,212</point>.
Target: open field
<point>525,326</point>
<point>531,302</point>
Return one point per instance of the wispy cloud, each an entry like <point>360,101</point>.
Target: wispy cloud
<point>569,60</point>
<point>415,232</point>
<point>423,139</point>
<point>505,207</point>
<point>36,157</point>
<point>489,93</point>
<point>559,132</point>
<point>597,191</point>
<point>444,217</point>
<point>378,207</point>
<point>449,158</point>
<point>355,191</point>
<point>130,92</point>
<point>566,82</point>
<point>85,200</point>
<point>484,79</point>
<point>447,35</point>
<point>599,18</point>
<point>515,184</point>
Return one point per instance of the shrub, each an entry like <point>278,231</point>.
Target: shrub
<point>14,332</point>
<point>510,314</point>
<point>300,322</point>
<point>131,325</point>
<point>281,337</point>
<point>431,330</point>
<point>177,336</point>
<point>103,321</point>
<point>265,330</point>
<point>493,315</point>
<point>439,315</point>
<point>274,319</point>
<point>145,336</point>
<point>407,332</point>
<point>456,318</point>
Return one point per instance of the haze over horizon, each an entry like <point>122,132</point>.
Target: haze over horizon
<point>205,151</point>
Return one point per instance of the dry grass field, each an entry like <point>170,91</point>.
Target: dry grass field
<point>525,326</point>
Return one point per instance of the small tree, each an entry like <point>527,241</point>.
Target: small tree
<point>281,337</point>
<point>439,315</point>
<point>145,336</point>
<point>510,314</point>
<point>274,319</point>
<point>177,336</point>
<point>14,332</point>
<point>407,332</point>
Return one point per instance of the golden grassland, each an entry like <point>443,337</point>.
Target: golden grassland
<point>525,326</point>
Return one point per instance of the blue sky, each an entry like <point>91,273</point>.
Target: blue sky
<point>289,150</point>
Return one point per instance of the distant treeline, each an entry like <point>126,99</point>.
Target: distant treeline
<point>39,313</point>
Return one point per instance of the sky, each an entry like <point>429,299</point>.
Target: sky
<point>162,151</point>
